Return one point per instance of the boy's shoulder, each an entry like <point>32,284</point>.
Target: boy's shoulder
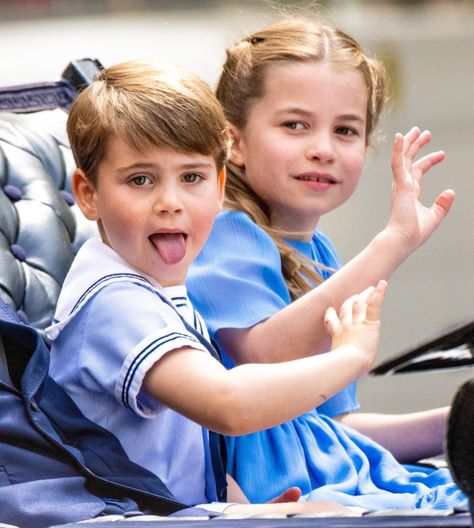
<point>95,270</point>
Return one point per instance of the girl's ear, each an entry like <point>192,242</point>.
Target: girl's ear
<point>236,155</point>
<point>221,186</point>
<point>85,195</point>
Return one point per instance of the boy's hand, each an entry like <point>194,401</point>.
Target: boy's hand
<point>358,322</point>
<point>408,216</point>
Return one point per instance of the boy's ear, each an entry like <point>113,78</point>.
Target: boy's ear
<point>84,193</point>
<point>221,186</point>
<point>236,156</point>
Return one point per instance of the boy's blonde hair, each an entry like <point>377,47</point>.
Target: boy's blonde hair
<point>146,105</point>
<point>242,82</point>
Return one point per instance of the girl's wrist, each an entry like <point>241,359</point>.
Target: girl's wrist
<point>394,242</point>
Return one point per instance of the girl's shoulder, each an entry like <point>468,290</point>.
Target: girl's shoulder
<point>324,249</point>
<point>238,227</point>
<point>321,238</point>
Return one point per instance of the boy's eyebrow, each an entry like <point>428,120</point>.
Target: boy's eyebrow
<point>181,166</point>
<point>197,165</point>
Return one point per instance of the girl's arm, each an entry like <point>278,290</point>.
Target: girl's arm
<point>409,437</point>
<point>253,397</point>
<point>298,330</point>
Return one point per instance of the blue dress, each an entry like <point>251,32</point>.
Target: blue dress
<point>236,282</point>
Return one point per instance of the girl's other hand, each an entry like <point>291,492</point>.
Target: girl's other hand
<point>413,221</point>
<point>358,323</point>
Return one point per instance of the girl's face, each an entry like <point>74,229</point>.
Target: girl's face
<point>304,143</point>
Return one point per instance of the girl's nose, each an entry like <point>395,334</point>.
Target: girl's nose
<point>321,148</point>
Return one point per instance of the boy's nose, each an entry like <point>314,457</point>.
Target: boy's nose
<point>167,201</point>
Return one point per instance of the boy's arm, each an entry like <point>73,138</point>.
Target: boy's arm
<point>409,437</point>
<point>409,226</point>
<point>253,397</point>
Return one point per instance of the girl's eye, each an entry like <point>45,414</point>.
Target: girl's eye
<point>346,131</point>
<point>294,125</point>
<point>191,177</point>
<point>141,180</point>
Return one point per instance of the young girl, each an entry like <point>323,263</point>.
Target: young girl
<point>302,100</point>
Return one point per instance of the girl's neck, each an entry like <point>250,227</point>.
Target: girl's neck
<point>294,228</point>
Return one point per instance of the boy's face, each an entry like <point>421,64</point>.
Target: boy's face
<point>156,208</point>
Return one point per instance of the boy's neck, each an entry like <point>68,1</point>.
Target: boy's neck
<point>149,278</point>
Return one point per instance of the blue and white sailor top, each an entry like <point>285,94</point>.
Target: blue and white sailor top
<point>110,327</point>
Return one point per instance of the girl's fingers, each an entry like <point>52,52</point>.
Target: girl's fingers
<point>397,158</point>
<point>402,155</point>
<point>405,149</point>
<point>418,143</point>
<point>410,142</point>
<point>374,305</point>
<point>424,164</point>
<point>442,205</point>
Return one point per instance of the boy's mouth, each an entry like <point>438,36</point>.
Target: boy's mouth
<point>170,246</point>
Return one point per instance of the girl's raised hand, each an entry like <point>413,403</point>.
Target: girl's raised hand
<point>358,323</point>
<point>414,221</point>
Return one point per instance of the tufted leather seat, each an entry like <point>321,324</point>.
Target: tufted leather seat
<point>41,228</point>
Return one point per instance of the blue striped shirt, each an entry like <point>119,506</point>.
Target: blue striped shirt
<point>110,327</point>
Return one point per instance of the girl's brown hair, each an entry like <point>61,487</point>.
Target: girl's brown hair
<point>242,83</point>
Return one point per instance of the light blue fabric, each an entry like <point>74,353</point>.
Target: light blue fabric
<point>237,282</point>
<point>102,365</point>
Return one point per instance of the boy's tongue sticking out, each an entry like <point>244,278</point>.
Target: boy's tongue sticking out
<point>170,246</point>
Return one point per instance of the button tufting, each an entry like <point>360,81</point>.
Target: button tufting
<point>67,196</point>
<point>18,251</point>
<point>75,247</point>
<point>14,193</point>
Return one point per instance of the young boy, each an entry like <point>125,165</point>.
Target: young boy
<point>150,146</point>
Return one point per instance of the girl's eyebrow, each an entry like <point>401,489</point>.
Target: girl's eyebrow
<point>351,117</point>
<point>306,113</point>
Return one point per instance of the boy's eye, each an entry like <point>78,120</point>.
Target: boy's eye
<point>141,180</point>
<point>191,177</point>
<point>294,125</point>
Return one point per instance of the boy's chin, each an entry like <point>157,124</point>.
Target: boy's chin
<point>175,275</point>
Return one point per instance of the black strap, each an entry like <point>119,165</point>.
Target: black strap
<point>35,97</point>
<point>216,441</point>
